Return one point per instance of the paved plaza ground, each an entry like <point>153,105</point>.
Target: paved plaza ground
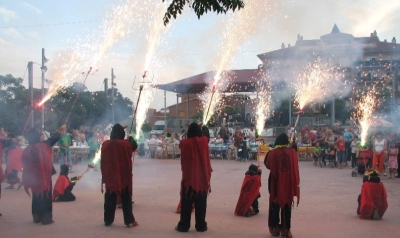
<point>327,207</point>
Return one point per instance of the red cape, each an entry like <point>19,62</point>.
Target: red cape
<point>37,160</point>
<point>284,179</point>
<point>195,163</point>
<point>373,196</point>
<point>61,184</point>
<point>116,165</point>
<point>14,160</point>
<point>248,193</point>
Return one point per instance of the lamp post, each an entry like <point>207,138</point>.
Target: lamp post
<point>43,68</point>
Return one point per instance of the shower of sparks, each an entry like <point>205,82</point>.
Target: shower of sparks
<point>364,110</point>
<point>263,103</point>
<point>316,83</point>
<point>89,52</point>
<point>154,38</point>
<point>239,28</point>
<point>97,156</point>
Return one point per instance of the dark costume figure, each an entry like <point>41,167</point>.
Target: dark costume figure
<point>116,171</point>
<point>1,168</point>
<point>63,188</point>
<point>372,202</point>
<point>37,160</point>
<point>196,176</point>
<point>247,204</point>
<point>283,185</point>
<point>14,165</point>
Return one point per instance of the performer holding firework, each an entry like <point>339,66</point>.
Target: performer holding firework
<point>283,185</point>
<point>116,171</point>
<point>37,160</point>
<point>196,176</point>
<point>64,185</point>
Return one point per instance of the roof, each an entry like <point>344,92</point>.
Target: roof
<point>239,81</point>
<point>335,29</point>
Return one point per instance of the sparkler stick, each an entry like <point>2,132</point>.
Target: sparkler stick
<point>77,96</point>
<point>137,104</point>
<point>90,166</point>
<point>209,105</point>
<point>295,124</point>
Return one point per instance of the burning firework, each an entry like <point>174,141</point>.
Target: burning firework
<point>263,104</point>
<point>97,156</point>
<point>316,83</point>
<point>240,27</point>
<point>364,110</point>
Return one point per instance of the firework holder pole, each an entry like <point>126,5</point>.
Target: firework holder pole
<point>77,96</point>
<point>137,104</point>
<point>209,105</point>
<point>295,125</point>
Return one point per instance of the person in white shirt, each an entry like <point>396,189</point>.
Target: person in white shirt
<point>252,132</point>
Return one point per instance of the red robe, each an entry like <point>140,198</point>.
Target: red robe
<point>14,160</point>
<point>62,183</point>
<point>195,163</point>
<point>373,196</point>
<point>284,179</point>
<point>248,193</point>
<point>37,160</point>
<point>116,165</point>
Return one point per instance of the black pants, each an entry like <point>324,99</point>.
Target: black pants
<point>199,199</point>
<point>348,150</point>
<point>255,204</point>
<point>12,178</point>
<point>110,205</point>
<point>42,206</point>
<point>398,162</point>
<point>353,160</point>
<point>273,216</point>
<point>68,196</point>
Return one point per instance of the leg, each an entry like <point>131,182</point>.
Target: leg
<point>110,203</point>
<point>286,215</point>
<point>186,210</point>
<point>67,197</point>
<point>127,207</point>
<point>47,207</point>
<point>353,160</point>
<point>69,160</point>
<point>381,162</point>
<point>36,208</point>
<point>273,219</point>
<point>374,161</point>
<point>200,212</point>
<point>255,205</point>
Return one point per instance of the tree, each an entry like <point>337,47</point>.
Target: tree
<point>342,113</point>
<point>201,6</point>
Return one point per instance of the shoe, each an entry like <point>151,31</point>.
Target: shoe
<point>47,222</point>
<point>274,231</point>
<point>135,223</point>
<point>177,229</point>
<point>10,187</point>
<point>287,234</point>
<point>202,230</point>
<point>375,215</point>
<point>37,218</point>
<point>19,185</point>
<point>384,174</point>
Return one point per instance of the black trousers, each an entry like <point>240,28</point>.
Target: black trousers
<point>353,160</point>
<point>398,162</point>
<point>199,199</point>
<point>42,206</point>
<point>110,205</point>
<point>273,216</point>
<point>68,196</point>
<point>255,204</point>
<point>12,177</point>
<point>348,150</point>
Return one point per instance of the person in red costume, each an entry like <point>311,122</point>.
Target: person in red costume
<point>247,204</point>
<point>372,202</point>
<point>283,185</point>
<point>63,188</point>
<point>37,160</point>
<point>116,172</point>
<point>196,176</point>
<point>14,165</point>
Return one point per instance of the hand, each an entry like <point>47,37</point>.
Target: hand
<point>79,177</point>
<point>209,189</point>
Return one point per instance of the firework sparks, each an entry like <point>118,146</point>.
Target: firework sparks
<point>97,156</point>
<point>315,83</point>
<point>239,28</point>
<point>152,64</point>
<point>364,110</point>
<point>263,104</point>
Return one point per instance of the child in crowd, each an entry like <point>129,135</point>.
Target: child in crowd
<point>341,152</point>
<point>13,155</point>
<point>392,164</point>
<point>354,151</point>
<point>247,204</point>
<point>317,153</point>
<point>372,202</point>
<point>64,185</point>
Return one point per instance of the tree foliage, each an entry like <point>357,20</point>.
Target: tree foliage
<point>201,6</point>
<point>91,108</point>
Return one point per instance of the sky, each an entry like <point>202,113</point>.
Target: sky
<point>190,46</point>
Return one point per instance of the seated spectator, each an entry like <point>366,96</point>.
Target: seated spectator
<point>218,140</point>
<point>82,140</point>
